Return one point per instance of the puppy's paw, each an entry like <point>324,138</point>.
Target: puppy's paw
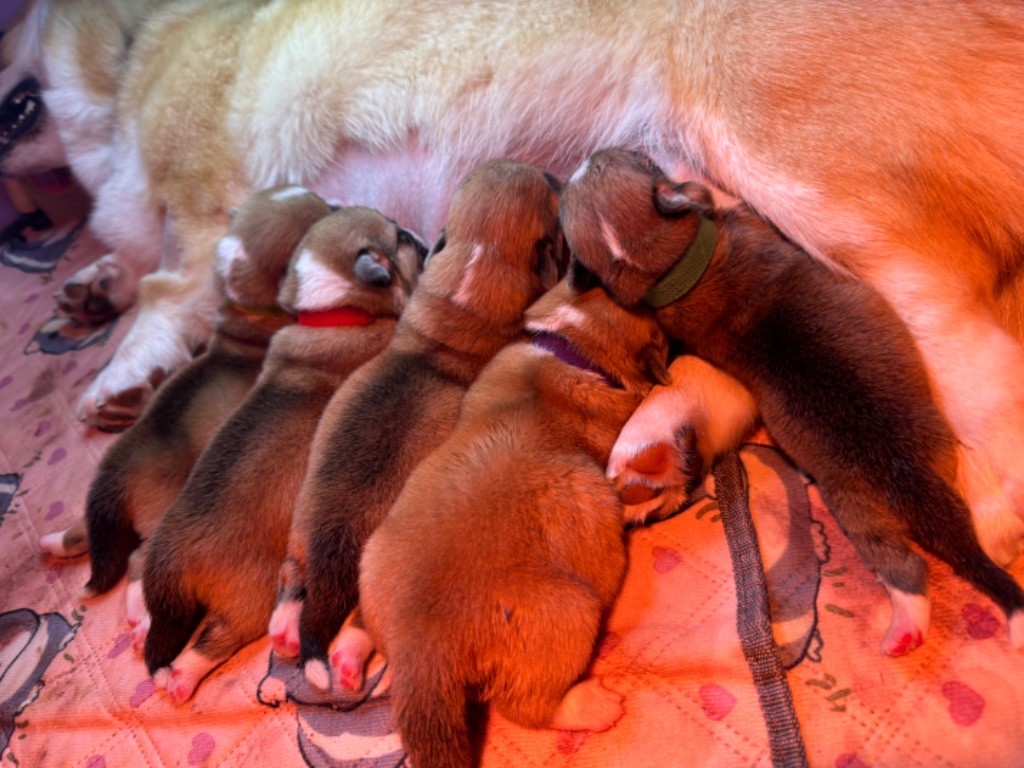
<point>284,628</point>
<point>317,674</point>
<point>349,652</point>
<point>1015,624</point>
<point>60,544</point>
<point>181,684</point>
<point>99,292</point>
<point>994,503</point>
<point>139,634</point>
<point>588,706</point>
<point>909,624</point>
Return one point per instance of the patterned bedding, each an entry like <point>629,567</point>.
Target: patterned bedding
<point>747,632</point>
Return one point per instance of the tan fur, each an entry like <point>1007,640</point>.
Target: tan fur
<point>883,138</point>
<point>502,245</point>
<point>493,570</point>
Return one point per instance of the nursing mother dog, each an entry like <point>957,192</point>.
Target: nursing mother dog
<point>883,138</point>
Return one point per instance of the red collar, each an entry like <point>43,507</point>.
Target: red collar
<point>333,318</point>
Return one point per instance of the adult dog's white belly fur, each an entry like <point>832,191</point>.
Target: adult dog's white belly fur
<point>885,138</point>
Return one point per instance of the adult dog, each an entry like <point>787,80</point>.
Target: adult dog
<point>884,138</point>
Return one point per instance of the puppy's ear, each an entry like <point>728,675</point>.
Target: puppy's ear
<point>673,199</point>
<point>551,260</point>
<point>654,359</point>
<point>369,272</point>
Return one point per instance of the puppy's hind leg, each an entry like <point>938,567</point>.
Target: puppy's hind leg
<point>942,525</point>
<point>284,621</point>
<point>214,643</point>
<point>881,543</point>
<point>349,652</point>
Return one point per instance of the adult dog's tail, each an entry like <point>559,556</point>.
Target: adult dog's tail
<point>112,536</point>
<point>431,708</point>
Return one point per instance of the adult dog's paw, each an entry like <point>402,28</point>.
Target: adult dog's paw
<point>153,348</point>
<point>99,292</point>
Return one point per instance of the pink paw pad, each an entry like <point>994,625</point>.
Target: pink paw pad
<point>906,643</point>
<point>181,686</point>
<point>347,671</point>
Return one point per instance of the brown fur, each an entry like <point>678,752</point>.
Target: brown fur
<point>141,474</point>
<point>494,569</point>
<point>500,249</point>
<point>837,377</point>
<point>217,550</point>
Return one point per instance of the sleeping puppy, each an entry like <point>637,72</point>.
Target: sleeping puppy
<point>210,576</point>
<point>672,439</point>
<point>142,472</point>
<point>491,575</point>
<point>501,248</point>
<point>835,374</point>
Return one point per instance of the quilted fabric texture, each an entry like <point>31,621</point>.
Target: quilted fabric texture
<point>73,693</point>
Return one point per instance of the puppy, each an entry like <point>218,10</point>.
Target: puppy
<point>493,571</point>
<point>837,378</point>
<point>501,248</point>
<point>143,471</point>
<point>211,573</point>
<point>672,439</point>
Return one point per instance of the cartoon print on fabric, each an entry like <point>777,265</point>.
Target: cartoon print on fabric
<point>793,548</point>
<point>29,642</point>
<point>333,727</point>
<point>8,488</point>
<point>60,335</point>
<point>40,256</point>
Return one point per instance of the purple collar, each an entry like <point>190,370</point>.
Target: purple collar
<point>561,348</point>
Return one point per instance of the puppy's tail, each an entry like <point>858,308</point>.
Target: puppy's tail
<point>173,609</point>
<point>112,537</point>
<point>431,708</point>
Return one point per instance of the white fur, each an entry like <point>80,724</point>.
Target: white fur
<point>580,172</point>
<point>284,628</point>
<point>910,617</point>
<point>289,192</point>
<point>469,287</point>
<point>53,544</point>
<point>186,672</point>
<point>317,674</point>
<point>611,239</point>
<point>319,287</point>
<point>230,250</point>
<point>1016,627</point>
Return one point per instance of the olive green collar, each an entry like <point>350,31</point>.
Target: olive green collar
<point>678,281</point>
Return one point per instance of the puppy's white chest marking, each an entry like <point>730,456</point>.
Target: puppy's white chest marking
<point>319,287</point>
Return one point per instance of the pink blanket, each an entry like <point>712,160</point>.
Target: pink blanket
<point>687,644</point>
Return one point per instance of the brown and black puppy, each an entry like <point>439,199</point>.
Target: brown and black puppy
<point>501,248</point>
<point>491,575</point>
<point>210,578</point>
<point>837,377</point>
<point>142,472</point>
